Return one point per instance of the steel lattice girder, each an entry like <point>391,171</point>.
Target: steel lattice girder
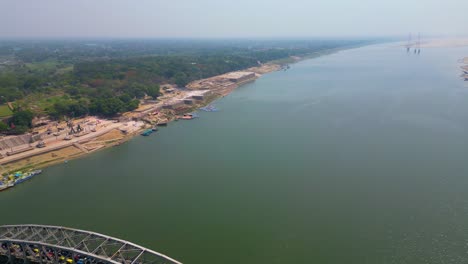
<point>37,242</point>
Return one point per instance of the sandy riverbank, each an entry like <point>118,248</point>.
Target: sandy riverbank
<point>444,43</point>
<point>43,160</point>
<point>67,152</point>
<point>112,133</point>
<point>58,151</point>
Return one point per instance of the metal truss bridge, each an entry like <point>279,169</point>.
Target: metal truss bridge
<point>61,245</point>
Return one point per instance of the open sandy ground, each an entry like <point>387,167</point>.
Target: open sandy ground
<point>43,160</point>
<point>444,43</point>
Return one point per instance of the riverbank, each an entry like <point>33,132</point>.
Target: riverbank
<point>66,152</point>
<point>58,149</point>
<point>101,133</point>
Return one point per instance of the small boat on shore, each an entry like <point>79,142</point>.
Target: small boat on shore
<point>186,117</point>
<point>162,123</point>
<point>155,128</point>
<point>189,116</point>
<point>147,132</point>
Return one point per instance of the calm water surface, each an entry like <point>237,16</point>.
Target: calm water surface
<point>357,157</point>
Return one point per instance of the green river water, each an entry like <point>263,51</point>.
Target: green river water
<point>356,157</point>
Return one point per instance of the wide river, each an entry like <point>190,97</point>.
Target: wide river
<point>356,157</point>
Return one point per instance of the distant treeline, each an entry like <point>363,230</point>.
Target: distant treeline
<point>108,77</point>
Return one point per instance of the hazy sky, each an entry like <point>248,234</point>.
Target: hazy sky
<point>231,18</point>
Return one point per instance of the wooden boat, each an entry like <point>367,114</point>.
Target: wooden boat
<point>147,132</point>
<point>188,116</point>
<point>162,123</point>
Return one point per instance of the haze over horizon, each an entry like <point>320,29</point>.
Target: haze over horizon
<point>220,19</point>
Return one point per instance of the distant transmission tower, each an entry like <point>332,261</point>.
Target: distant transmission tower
<point>419,43</point>
<point>408,45</point>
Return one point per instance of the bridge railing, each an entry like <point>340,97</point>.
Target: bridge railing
<point>57,245</point>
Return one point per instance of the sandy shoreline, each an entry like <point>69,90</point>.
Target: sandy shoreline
<point>63,153</point>
<point>146,113</point>
<point>37,159</point>
<point>444,43</point>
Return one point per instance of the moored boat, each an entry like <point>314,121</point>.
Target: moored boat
<point>189,116</point>
<point>186,117</point>
<point>147,132</point>
<point>162,123</point>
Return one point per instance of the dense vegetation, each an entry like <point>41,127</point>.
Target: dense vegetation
<point>109,77</point>
<point>19,123</point>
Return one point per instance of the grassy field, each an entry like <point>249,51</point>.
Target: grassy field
<point>47,102</point>
<point>38,103</point>
<point>5,111</point>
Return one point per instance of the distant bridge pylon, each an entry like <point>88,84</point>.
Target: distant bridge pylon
<point>61,245</point>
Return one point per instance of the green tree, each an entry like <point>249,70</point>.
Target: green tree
<point>107,106</point>
<point>181,79</point>
<point>132,105</point>
<point>3,127</point>
<point>112,106</point>
<point>153,91</point>
<point>125,98</point>
<point>22,118</point>
<point>76,109</point>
